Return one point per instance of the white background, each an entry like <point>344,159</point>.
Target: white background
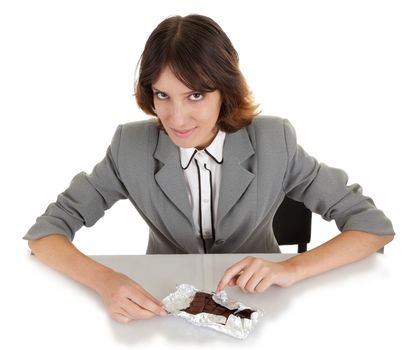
<point>336,69</point>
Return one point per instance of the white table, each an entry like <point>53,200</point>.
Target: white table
<point>354,307</point>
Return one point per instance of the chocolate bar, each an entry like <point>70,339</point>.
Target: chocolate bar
<point>212,310</point>
<point>203,302</point>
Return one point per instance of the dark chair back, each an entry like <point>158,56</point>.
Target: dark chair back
<point>292,224</point>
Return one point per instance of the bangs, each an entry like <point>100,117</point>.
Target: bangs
<point>188,68</point>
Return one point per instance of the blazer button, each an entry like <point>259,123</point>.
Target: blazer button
<point>220,241</point>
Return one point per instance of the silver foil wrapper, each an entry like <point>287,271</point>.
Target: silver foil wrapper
<point>234,326</point>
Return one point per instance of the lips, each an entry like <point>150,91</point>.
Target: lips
<point>183,133</point>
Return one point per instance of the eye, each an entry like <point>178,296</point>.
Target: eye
<point>161,95</point>
<point>196,96</point>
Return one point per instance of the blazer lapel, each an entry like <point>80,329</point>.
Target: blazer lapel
<point>170,177</point>
<point>235,178</point>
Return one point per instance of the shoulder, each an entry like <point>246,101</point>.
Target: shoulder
<point>267,120</point>
<point>134,136</point>
<point>262,122</point>
<point>271,128</point>
<point>137,132</point>
<point>139,129</point>
<point>272,135</point>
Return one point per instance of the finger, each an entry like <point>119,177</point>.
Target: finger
<point>120,318</point>
<point>263,285</point>
<point>136,312</point>
<point>247,274</point>
<point>233,281</point>
<point>149,296</point>
<point>231,272</point>
<point>227,279</point>
<point>148,302</point>
<point>253,282</point>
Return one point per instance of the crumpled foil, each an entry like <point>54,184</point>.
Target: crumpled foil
<point>234,326</point>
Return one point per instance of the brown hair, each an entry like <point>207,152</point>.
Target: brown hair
<point>202,57</point>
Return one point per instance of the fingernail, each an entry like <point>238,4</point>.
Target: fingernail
<point>163,312</point>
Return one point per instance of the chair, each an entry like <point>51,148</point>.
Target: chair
<point>292,224</point>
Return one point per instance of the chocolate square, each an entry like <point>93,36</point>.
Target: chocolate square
<point>203,302</point>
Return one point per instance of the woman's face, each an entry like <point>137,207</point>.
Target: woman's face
<point>189,117</point>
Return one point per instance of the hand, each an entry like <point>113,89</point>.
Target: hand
<point>255,275</point>
<point>126,300</point>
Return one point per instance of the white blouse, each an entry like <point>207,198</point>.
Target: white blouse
<point>202,171</point>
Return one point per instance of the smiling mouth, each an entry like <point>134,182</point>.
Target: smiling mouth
<point>183,133</point>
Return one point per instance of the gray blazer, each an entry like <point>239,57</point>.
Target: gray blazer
<point>262,164</point>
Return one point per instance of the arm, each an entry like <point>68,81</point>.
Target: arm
<point>345,248</point>
<point>124,299</point>
<point>256,275</point>
<point>83,204</point>
<point>324,190</point>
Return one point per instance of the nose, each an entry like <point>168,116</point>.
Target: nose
<point>179,116</point>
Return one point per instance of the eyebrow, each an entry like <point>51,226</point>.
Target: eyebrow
<point>164,92</point>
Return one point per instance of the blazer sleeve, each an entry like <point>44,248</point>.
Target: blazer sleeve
<point>85,200</point>
<point>324,190</point>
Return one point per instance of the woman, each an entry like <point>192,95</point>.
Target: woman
<point>206,176</point>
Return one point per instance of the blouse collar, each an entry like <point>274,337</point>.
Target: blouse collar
<point>214,150</point>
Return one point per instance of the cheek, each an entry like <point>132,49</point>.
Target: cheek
<point>214,107</point>
<point>161,111</point>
